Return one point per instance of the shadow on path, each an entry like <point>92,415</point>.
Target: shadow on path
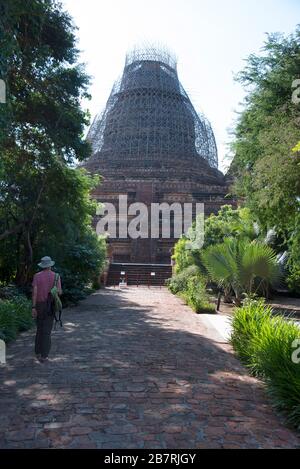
<point>134,368</point>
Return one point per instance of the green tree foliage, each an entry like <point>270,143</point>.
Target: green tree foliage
<point>44,201</point>
<point>182,255</point>
<point>266,168</point>
<point>229,222</point>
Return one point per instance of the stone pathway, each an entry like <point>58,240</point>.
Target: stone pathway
<point>134,368</point>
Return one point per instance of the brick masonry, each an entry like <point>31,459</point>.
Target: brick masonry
<point>134,368</point>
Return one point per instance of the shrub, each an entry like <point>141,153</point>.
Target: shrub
<point>74,287</point>
<point>243,266</point>
<point>281,374</point>
<point>196,296</point>
<point>179,282</point>
<point>9,292</point>
<point>190,285</point>
<point>15,316</point>
<point>264,343</point>
<point>246,326</point>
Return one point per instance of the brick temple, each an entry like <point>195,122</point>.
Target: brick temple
<point>151,145</point>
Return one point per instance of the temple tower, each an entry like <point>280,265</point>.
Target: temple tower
<point>150,144</point>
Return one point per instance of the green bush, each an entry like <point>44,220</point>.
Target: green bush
<point>282,375</point>
<point>190,285</point>
<point>246,326</point>
<point>196,296</point>
<point>15,316</point>
<point>179,282</point>
<point>264,343</point>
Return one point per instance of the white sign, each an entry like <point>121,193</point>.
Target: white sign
<point>152,274</point>
<point>123,273</point>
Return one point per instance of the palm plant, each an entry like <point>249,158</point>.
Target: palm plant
<point>243,266</point>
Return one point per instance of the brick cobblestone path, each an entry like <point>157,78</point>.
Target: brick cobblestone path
<point>134,368</point>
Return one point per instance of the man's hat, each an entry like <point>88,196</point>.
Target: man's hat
<point>46,262</point>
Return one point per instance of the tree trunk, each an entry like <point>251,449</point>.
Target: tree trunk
<point>25,266</point>
<point>219,301</point>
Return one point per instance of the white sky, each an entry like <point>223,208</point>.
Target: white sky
<point>211,39</point>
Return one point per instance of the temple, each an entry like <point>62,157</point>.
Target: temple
<point>150,144</point>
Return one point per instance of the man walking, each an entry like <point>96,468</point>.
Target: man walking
<point>42,283</point>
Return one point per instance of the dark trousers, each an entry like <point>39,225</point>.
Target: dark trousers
<point>44,324</point>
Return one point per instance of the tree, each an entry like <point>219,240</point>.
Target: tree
<point>266,168</point>
<point>229,222</point>
<point>182,255</point>
<point>42,136</point>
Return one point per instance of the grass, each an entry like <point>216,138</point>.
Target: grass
<point>265,343</point>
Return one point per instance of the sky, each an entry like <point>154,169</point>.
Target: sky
<point>210,38</point>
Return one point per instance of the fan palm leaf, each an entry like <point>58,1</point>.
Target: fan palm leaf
<point>258,263</point>
<point>241,265</point>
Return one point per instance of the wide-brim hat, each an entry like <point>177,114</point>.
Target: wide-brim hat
<point>46,262</point>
